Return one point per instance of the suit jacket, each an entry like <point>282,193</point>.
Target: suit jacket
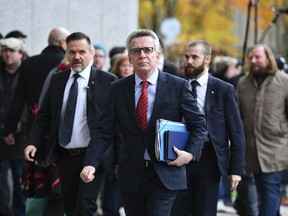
<point>173,101</point>
<point>48,117</point>
<point>224,123</point>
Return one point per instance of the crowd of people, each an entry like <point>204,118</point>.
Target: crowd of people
<point>78,139</point>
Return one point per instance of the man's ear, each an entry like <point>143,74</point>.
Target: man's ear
<point>207,59</point>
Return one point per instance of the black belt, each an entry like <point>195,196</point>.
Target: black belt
<point>148,163</point>
<point>73,151</point>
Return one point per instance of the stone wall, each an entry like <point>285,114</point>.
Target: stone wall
<point>105,21</point>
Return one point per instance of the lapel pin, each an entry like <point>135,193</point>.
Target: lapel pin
<point>212,92</point>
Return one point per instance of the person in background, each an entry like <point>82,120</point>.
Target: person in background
<point>99,58</point>
<point>164,64</point>
<point>34,71</point>
<point>70,125</point>
<point>223,153</point>
<point>262,96</point>
<point>122,67</point>
<point>147,186</point>
<point>19,35</point>
<point>114,53</point>
<point>12,50</point>
<point>224,68</point>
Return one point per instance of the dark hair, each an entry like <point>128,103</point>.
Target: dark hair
<point>78,36</point>
<point>116,50</point>
<point>15,34</point>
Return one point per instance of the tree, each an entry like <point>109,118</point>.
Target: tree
<point>209,20</point>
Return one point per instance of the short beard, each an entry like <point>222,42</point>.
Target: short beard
<point>192,72</point>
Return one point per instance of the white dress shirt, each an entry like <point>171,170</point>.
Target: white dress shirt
<point>80,134</point>
<point>151,91</point>
<point>201,90</point>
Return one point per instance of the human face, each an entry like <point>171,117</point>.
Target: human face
<point>125,68</point>
<point>11,57</point>
<point>80,54</point>
<point>99,58</point>
<point>258,60</point>
<point>144,64</point>
<point>196,62</point>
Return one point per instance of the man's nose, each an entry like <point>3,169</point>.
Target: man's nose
<point>142,54</point>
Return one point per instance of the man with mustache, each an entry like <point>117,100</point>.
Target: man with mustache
<point>224,148</point>
<point>263,102</point>
<point>70,110</point>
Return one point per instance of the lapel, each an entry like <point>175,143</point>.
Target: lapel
<point>160,91</point>
<point>129,92</point>
<point>210,94</point>
<point>92,83</point>
<point>61,88</point>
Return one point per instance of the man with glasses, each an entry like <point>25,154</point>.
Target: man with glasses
<point>148,186</point>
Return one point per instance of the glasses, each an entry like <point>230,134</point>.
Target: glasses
<point>137,51</point>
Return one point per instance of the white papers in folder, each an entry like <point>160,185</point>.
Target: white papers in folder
<point>163,125</point>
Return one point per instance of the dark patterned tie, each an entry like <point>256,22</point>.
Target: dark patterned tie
<point>67,123</point>
<point>142,106</point>
<point>194,84</point>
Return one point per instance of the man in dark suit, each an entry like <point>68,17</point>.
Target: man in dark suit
<point>92,87</point>
<point>148,186</point>
<point>224,150</point>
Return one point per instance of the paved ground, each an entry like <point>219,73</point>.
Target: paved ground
<point>283,211</point>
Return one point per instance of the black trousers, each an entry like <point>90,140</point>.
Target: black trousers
<point>203,178</point>
<point>79,198</point>
<point>152,199</point>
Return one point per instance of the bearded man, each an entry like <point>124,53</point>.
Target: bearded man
<point>224,149</point>
<point>263,102</point>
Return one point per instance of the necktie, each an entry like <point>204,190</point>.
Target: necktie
<point>67,123</point>
<point>194,84</point>
<point>142,106</point>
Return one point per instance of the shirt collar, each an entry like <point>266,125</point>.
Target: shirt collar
<point>152,79</point>
<point>202,80</point>
<point>84,74</point>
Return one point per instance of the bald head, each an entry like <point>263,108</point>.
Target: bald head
<point>58,36</point>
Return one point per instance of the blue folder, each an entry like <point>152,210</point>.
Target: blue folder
<point>162,126</point>
<point>174,138</point>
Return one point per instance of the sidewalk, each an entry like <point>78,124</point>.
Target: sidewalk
<point>283,212</point>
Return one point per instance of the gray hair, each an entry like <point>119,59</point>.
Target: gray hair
<point>143,33</point>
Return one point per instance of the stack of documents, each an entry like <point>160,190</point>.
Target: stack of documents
<point>169,134</point>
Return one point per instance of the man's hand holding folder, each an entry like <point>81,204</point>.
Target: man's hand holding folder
<point>183,157</point>
<point>171,141</point>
